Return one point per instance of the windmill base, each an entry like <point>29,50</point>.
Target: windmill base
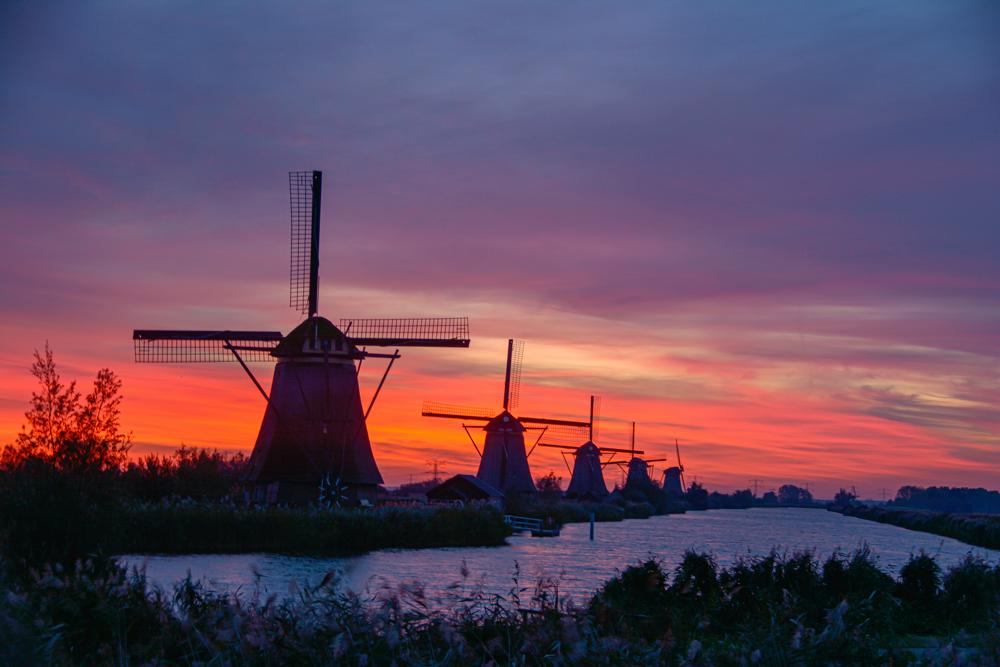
<point>302,494</point>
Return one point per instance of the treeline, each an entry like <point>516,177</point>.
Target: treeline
<point>772,610</point>
<point>961,500</point>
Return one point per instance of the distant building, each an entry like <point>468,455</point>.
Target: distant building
<point>466,489</point>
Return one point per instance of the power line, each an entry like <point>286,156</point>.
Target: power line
<point>434,467</point>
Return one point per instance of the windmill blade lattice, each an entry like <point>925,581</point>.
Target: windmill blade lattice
<point>566,435</point>
<point>516,363</point>
<point>305,241</point>
<point>451,411</point>
<point>407,331</point>
<point>159,346</point>
<point>596,418</point>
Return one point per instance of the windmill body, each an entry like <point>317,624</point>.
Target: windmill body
<point>587,481</point>
<point>313,442</point>
<point>313,424</point>
<point>638,473</point>
<point>673,477</point>
<point>672,481</point>
<point>504,463</point>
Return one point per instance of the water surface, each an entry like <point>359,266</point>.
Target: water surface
<point>579,565</point>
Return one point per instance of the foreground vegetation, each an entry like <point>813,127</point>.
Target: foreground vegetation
<point>769,611</point>
<point>981,530</point>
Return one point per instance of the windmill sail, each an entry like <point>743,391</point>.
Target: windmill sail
<point>449,411</point>
<point>188,346</point>
<point>305,190</point>
<point>408,331</point>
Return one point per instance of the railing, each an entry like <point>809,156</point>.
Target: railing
<point>522,523</point>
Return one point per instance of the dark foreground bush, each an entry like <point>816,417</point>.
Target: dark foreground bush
<point>765,611</point>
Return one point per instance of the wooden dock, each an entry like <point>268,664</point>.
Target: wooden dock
<point>522,524</point>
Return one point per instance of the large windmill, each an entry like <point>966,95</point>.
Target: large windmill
<point>587,475</point>
<point>313,442</point>
<point>503,460</point>
<point>673,477</point>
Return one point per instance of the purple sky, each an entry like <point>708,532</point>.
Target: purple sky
<point>800,199</point>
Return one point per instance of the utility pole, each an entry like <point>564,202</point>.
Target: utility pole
<point>435,469</point>
<point>755,482</point>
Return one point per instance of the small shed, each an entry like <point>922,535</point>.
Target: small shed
<point>466,489</point>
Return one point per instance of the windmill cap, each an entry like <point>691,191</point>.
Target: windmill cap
<point>315,335</point>
<point>505,421</point>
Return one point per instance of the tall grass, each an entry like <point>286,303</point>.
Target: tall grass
<point>773,610</point>
<point>981,530</point>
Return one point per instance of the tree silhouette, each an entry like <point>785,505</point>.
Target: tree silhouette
<point>67,430</point>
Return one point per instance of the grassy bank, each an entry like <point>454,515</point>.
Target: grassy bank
<point>770,611</point>
<point>52,516</point>
<point>564,511</point>
<point>197,528</point>
<point>981,530</point>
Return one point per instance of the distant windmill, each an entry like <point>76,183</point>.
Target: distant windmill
<point>637,469</point>
<point>503,460</point>
<point>587,481</point>
<point>673,477</point>
<point>313,442</point>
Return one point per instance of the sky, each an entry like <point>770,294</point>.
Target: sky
<point>768,230</point>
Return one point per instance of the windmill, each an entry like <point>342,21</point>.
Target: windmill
<point>637,469</point>
<point>503,460</point>
<point>587,475</point>
<point>313,442</point>
<point>673,477</point>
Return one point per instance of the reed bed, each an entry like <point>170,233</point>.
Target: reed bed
<point>981,530</point>
<point>773,610</point>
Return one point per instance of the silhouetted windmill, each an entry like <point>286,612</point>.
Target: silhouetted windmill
<point>587,475</point>
<point>313,441</point>
<point>637,469</point>
<point>673,477</point>
<point>503,460</point>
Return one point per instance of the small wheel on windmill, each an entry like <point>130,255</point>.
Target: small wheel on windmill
<point>332,492</point>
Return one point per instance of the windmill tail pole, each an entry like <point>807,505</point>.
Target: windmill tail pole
<point>506,381</point>
<point>317,195</point>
